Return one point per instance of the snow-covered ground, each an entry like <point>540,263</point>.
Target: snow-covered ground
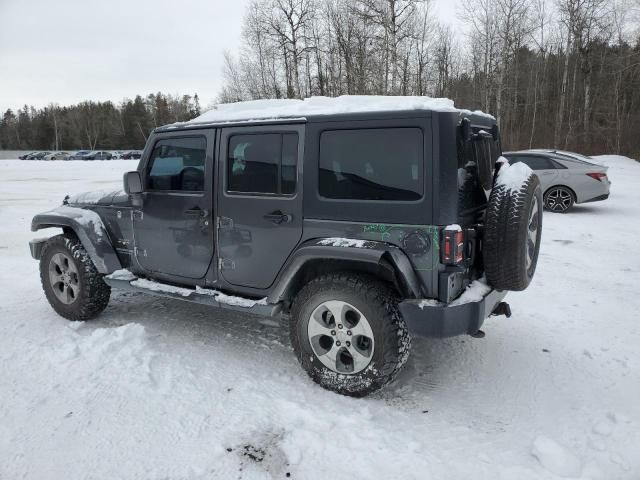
<point>162,389</point>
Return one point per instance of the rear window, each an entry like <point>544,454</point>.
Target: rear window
<point>372,164</point>
<point>264,163</point>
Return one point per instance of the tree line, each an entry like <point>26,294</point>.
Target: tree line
<point>94,125</point>
<point>555,73</point>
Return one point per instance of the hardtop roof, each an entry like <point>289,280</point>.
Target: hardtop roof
<point>259,112</point>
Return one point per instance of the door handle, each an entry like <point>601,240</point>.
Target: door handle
<point>196,212</point>
<point>278,217</point>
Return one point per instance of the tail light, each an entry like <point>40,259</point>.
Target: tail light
<point>597,175</point>
<point>453,249</point>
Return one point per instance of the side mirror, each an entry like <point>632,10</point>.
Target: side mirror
<point>132,183</point>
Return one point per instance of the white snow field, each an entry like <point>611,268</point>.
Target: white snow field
<point>162,389</point>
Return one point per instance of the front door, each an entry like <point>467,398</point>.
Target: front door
<point>173,230</point>
<point>260,200</point>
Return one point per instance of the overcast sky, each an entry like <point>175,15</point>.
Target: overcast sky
<point>65,51</point>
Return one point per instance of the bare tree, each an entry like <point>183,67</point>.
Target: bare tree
<point>547,71</point>
<point>480,16</point>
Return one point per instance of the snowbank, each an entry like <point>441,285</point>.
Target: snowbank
<point>290,108</point>
<point>556,458</point>
<point>160,389</point>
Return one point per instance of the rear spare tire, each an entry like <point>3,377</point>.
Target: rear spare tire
<point>513,227</point>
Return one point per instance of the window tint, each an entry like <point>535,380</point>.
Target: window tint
<point>485,154</point>
<point>535,162</point>
<point>262,163</point>
<point>177,164</point>
<point>372,164</point>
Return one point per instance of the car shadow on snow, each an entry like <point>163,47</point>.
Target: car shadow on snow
<point>590,209</point>
<point>192,321</point>
<point>435,367</point>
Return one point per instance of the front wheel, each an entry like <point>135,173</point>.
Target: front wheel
<point>348,333</point>
<point>72,284</point>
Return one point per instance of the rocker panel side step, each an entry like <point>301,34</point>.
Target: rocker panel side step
<point>200,295</point>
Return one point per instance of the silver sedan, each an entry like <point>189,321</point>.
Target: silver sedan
<point>566,178</point>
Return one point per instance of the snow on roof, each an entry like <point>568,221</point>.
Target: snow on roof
<point>291,108</point>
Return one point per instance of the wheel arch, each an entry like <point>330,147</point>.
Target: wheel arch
<point>92,234</point>
<point>377,259</point>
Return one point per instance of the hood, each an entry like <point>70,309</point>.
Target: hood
<point>97,197</point>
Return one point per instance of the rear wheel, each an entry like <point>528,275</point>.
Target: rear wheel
<point>72,284</point>
<point>559,199</point>
<point>348,333</point>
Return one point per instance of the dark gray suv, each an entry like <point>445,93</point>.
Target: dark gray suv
<point>359,229</point>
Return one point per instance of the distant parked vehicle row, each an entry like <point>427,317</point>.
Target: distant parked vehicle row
<point>57,156</point>
<point>83,155</point>
<point>92,155</point>
<point>35,156</point>
<point>131,155</point>
<point>566,178</point>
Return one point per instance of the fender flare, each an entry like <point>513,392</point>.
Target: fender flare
<point>88,227</point>
<point>359,251</point>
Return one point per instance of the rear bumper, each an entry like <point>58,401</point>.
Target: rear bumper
<point>447,321</point>
<point>598,198</point>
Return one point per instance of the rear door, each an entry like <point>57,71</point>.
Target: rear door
<point>260,201</point>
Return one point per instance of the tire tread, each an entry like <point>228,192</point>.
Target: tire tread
<point>396,336</point>
<point>94,292</point>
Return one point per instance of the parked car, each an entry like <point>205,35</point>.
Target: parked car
<point>57,156</point>
<point>79,154</point>
<point>38,156</point>
<point>345,223</point>
<point>566,178</point>
<point>131,155</point>
<point>116,154</point>
<point>94,155</point>
<point>26,155</point>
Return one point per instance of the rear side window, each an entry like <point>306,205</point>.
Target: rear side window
<point>372,164</point>
<point>264,163</point>
<point>534,162</point>
<point>177,164</point>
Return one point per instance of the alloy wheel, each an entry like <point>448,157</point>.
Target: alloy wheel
<point>341,337</point>
<point>64,278</point>
<point>532,233</point>
<point>559,200</point>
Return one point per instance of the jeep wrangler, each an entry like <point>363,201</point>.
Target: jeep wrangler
<point>358,227</point>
